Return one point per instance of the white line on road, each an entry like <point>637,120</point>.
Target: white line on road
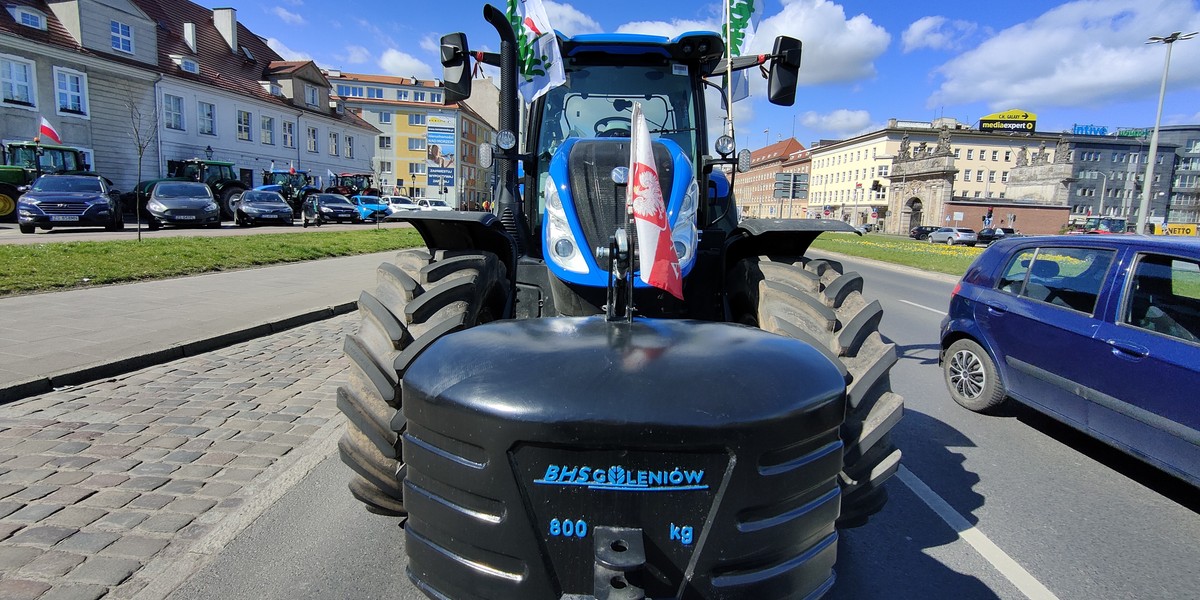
<point>932,310</point>
<point>1015,573</point>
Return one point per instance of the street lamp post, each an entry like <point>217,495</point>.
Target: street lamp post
<point>1103,190</point>
<point>1144,207</point>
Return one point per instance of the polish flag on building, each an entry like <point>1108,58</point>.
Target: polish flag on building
<point>47,131</point>
<point>659,264</point>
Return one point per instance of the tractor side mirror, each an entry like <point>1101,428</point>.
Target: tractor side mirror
<point>785,69</point>
<point>456,67</point>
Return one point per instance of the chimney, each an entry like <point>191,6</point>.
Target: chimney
<point>189,35</point>
<point>225,19</point>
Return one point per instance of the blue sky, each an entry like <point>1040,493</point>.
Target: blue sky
<point>1079,62</point>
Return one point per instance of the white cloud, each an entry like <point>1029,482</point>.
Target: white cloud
<point>842,122</point>
<point>836,48</point>
<point>568,20</point>
<point>667,28</point>
<point>431,44</point>
<point>1083,53</point>
<point>285,52</point>
<point>287,16</point>
<point>936,33</point>
<point>395,62</point>
<point>355,55</point>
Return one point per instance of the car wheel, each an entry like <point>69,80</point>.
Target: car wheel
<point>971,377</point>
<point>949,241</point>
<point>153,224</point>
<point>929,239</point>
<point>26,228</point>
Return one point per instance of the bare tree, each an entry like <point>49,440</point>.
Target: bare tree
<point>143,132</point>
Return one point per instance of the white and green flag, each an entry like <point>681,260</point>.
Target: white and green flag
<point>538,57</point>
<point>743,16</point>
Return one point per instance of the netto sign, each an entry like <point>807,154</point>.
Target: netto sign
<point>1009,120</point>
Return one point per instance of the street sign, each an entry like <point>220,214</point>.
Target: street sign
<point>874,215</point>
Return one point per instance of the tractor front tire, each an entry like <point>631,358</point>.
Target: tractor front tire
<point>813,301</point>
<point>418,298</point>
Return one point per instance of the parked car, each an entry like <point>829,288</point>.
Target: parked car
<point>953,235</point>
<point>182,203</point>
<point>1099,332</point>
<point>921,232</point>
<point>71,201</point>
<point>370,208</point>
<point>433,204</point>
<point>397,204</point>
<point>328,208</point>
<point>261,206</point>
<point>991,234</point>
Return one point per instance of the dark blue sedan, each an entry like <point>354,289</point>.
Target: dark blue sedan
<point>1099,332</point>
<point>69,201</point>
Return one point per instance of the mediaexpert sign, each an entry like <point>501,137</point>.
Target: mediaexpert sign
<point>1009,120</point>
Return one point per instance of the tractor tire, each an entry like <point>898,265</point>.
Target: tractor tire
<point>813,301</point>
<point>229,202</point>
<point>418,298</point>
<point>8,204</point>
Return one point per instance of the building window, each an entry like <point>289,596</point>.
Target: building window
<point>289,134</point>
<point>416,143</point>
<point>268,130</point>
<point>970,154</point>
<point>995,154</point>
<point>28,17</point>
<point>173,112</point>
<point>1004,177</point>
<point>1008,156</point>
<point>333,144</point>
<point>385,142</point>
<point>122,36</point>
<point>312,139</point>
<point>70,89</point>
<point>375,93</point>
<point>16,79</point>
<point>385,117</point>
<point>207,117</point>
<point>991,177</point>
<point>311,97</point>
<point>979,175</point>
<point>349,146</point>
<point>435,97</point>
<point>417,168</point>
<point>967,174</point>
<point>190,66</point>
<point>957,153</point>
<point>349,91</point>
<point>416,119</point>
<point>385,166</point>
<point>243,126</point>
<point>402,95</point>
<point>418,96</point>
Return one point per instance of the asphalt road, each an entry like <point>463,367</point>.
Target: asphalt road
<point>984,507</point>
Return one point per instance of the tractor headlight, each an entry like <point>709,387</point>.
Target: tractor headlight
<point>684,236</point>
<point>564,251</point>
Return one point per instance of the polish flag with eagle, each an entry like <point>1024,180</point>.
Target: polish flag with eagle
<point>659,264</point>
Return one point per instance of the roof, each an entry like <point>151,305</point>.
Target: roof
<point>382,79</point>
<point>778,151</point>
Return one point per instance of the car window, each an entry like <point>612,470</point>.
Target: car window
<point>1164,297</point>
<point>1068,277</point>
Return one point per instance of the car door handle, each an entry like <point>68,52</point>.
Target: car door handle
<point>1128,350</point>
<point>996,307</point>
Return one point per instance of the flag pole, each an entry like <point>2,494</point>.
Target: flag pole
<point>728,71</point>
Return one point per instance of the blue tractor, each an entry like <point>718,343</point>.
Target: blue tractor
<point>550,426</point>
<point>294,185</point>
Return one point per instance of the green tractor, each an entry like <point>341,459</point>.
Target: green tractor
<point>294,185</point>
<point>551,425</point>
<point>23,162</point>
<point>220,176</point>
<point>352,184</point>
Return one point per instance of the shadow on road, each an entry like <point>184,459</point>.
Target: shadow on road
<point>925,354</point>
<point>904,552</point>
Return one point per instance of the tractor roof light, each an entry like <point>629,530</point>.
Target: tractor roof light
<point>507,140</point>
<point>743,163</point>
<point>725,146</point>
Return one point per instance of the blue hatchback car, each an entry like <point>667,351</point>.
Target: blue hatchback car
<point>1099,332</point>
<point>370,208</point>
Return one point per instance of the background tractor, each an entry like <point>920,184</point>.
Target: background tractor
<point>554,428</point>
<point>22,162</point>
<point>220,177</point>
<point>295,186</point>
<point>352,184</point>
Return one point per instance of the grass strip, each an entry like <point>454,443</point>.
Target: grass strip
<point>26,268</point>
<point>952,260</point>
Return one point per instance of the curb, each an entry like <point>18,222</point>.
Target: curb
<point>43,385</point>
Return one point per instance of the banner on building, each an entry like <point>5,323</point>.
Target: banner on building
<point>1009,120</point>
<point>441,156</point>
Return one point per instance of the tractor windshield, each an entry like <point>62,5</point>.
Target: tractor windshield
<point>51,160</point>
<point>597,101</point>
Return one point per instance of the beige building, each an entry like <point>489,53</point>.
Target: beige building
<point>754,189</point>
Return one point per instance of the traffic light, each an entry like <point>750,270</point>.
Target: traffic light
<point>876,186</point>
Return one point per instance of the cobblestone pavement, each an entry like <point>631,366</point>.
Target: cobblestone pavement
<point>107,487</point>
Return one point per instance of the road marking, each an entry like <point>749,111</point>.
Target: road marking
<point>1015,573</point>
<point>932,310</point>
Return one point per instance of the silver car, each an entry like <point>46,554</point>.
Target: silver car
<point>182,203</point>
<point>954,235</point>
